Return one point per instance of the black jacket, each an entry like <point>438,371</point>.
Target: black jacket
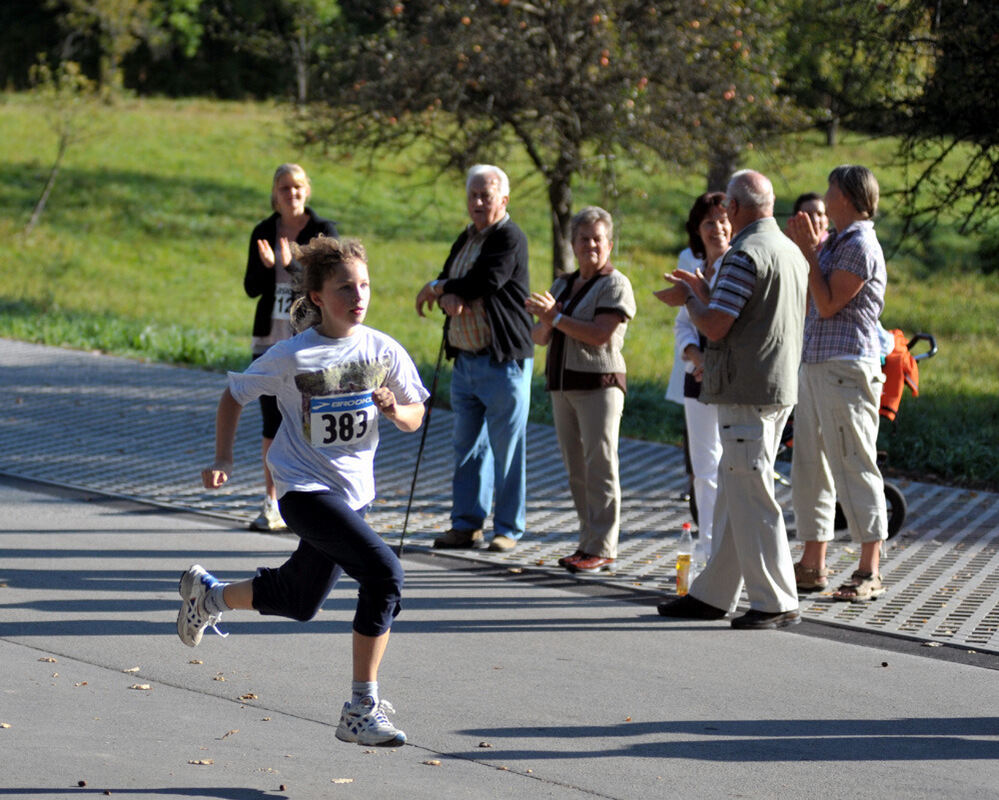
<point>259,281</point>
<point>500,277</point>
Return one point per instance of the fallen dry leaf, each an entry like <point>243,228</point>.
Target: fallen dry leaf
<point>131,669</point>
<point>81,683</point>
<point>229,733</point>
<point>47,659</point>
<point>248,696</point>
<point>4,724</point>
<point>195,661</point>
<point>142,687</point>
<point>932,644</point>
<point>219,677</point>
<point>484,744</point>
<point>202,762</point>
<point>433,762</point>
<point>515,570</point>
<point>341,780</point>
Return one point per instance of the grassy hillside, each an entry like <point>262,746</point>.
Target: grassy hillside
<point>142,249</point>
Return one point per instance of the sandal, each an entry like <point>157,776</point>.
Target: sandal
<point>808,579</point>
<point>861,586</point>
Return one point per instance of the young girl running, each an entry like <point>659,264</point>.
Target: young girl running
<point>332,382</point>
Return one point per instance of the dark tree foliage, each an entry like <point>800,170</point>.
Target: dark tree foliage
<point>950,130</point>
<point>575,85</point>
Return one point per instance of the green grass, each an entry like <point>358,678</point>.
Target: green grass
<point>142,249</point>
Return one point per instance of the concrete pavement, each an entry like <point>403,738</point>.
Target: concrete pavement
<point>509,684</point>
<point>143,431</point>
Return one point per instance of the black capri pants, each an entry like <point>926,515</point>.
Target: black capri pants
<point>334,539</point>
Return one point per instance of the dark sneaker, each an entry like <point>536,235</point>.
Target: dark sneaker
<point>754,620</point>
<point>461,540</point>
<point>689,607</point>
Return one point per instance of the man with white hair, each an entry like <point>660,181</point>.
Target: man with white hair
<point>753,320</point>
<point>482,289</point>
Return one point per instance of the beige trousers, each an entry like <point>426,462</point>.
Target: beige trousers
<point>750,540</point>
<point>587,424</point>
<point>835,451</point>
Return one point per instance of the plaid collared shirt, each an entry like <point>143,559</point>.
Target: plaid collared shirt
<point>470,331</point>
<point>853,331</point>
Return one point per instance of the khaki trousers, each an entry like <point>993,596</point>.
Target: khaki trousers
<point>587,424</point>
<point>750,540</point>
<point>835,451</point>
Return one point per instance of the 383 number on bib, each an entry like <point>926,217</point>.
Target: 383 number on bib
<point>342,419</point>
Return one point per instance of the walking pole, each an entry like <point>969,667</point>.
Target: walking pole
<point>423,441</point>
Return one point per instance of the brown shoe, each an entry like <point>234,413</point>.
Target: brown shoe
<point>565,561</point>
<point>587,563</point>
<point>809,579</point>
<point>460,540</point>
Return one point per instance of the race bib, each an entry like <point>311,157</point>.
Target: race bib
<point>342,419</point>
<point>282,301</point>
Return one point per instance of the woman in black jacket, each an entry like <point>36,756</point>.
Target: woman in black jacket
<point>270,269</point>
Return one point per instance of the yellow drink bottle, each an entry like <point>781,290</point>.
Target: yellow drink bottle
<point>684,551</point>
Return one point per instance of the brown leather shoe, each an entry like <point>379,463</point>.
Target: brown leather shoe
<point>588,563</point>
<point>565,561</point>
<point>461,540</point>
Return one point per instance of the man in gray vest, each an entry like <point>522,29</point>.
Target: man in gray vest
<point>753,320</point>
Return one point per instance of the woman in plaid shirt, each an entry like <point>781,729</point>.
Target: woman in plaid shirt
<point>840,380</point>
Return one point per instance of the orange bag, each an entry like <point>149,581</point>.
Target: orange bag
<point>900,370</point>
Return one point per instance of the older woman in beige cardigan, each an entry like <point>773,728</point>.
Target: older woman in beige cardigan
<point>582,320</point>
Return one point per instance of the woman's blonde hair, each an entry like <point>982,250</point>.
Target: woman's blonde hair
<point>319,259</point>
<point>297,173</point>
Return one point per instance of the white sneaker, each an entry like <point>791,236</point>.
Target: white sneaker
<point>368,725</point>
<point>269,518</point>
<point>193,618</point>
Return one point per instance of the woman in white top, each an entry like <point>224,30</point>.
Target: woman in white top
<point>709,232</point>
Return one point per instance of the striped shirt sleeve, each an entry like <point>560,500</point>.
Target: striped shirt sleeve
<point>736,281</point>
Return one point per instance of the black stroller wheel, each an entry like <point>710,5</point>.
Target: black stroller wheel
<point>897,508</point>
<point>839,523</point>
<point>895,504</point>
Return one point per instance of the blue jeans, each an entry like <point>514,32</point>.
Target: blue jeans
<point>490,403</point>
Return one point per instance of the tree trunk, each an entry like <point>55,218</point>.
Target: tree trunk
<point>560,198</point>
<point>724,162</point>
<point>832,132</point>
<point>300,53</point>
<point>40,205</point>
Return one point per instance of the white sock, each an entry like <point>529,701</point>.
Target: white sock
<point>215,599</point>
<point>364,693</point>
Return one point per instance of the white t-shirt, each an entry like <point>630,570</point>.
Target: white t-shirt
<point>329,423</point>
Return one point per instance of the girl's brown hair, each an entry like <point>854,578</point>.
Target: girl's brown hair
<point>319,260</point>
